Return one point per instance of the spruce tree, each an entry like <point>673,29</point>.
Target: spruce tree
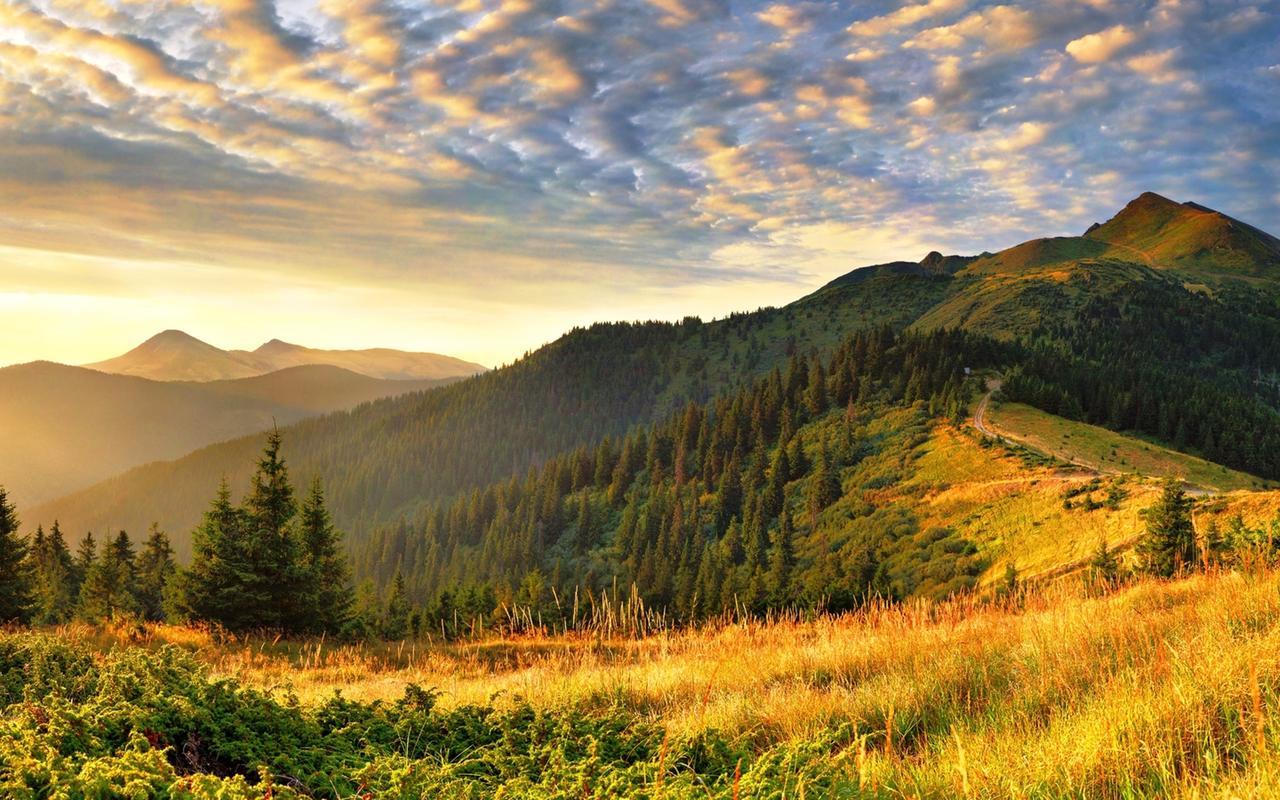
<point>824,486</point>
<point>325,584</point>
<point>271,550</point>
<point>395,619</point>
<point>15,576</point>
<point>215,587</point>
<point>86,552</point>
<point>56,587</point>
<point>1169,545</point>
<point>107,591</point>
<point>1104,567</point>
<point>155,569</point>
<point>781,562</point>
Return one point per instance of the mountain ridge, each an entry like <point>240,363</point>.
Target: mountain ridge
<point>67,427</point>
<point>174,355</point>
<point>385,460</point>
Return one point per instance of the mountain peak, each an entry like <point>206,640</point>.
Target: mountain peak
<point>276,345</point>
<point>174,336</point>
<point>1160,232</point>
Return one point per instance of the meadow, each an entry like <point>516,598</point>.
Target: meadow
<point>1156,689</point>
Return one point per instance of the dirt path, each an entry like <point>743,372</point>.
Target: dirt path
<point>980,415</point>
<point>984,427</point>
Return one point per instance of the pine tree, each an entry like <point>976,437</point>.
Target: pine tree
<point>1169,545</point>
<point>15,580</point>
<point>216,586</point>
<point>271,549</point>
<point>325,586</point>
<point>86,552</point>
<point>107,591</point>
<point>395,618</point>
<point>824,486</point>
<point>1104,567</point>
<point>155,570</point>
<point>781,562</point>
<point>56,589</point>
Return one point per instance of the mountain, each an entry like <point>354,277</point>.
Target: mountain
<point>176,356</point>
<point>377,362</point>
<point>1178,348</point>
<point>68,427</point>
<point>1188,236</point>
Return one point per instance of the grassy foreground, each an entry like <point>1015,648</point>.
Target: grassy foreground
<point>1162,689</point>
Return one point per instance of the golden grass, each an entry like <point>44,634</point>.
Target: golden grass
<point>1162,689</point>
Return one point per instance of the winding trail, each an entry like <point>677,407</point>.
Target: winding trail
<point>981,424</point>
<point>980,415</point>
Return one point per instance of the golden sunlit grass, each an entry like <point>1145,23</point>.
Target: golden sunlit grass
<point>1161,688</point>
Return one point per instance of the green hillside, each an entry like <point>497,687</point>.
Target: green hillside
<point>389,457</point>
<point>1189,237</point>
<point>1095,331</point>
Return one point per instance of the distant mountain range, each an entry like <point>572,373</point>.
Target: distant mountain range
<point>177,356</point>
<point>68,427</point>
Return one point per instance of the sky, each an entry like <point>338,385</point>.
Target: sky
<point>475,177</point>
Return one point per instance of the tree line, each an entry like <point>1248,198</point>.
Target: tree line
<point>717,507</point>
<point>1197,372</point>
<point>271,562</point>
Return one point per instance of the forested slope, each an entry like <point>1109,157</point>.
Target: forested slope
<point>388,457</point>
<point>1104,333</point>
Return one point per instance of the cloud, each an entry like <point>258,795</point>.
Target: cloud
<point>1027,134</point>
<point>1101,46</point>
<point>999,27</point>
<point>485,150</point>
<point>905,17</point>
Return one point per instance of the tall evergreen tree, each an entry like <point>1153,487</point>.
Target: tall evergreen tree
<point>155,570</point>
<point>781,562</point>
<point>824,486</point>
<point>55,580</point>
<point>1169,545</point>
<point>325,583</point>
<point>271,549</point>
<point>395,619</point>
<point>215,587</point>
<point>15,576</point>
<point>108,589</point>
<point>86,552</point>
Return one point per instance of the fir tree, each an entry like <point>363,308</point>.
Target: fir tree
<point>215,587</point>
<point>781,562</point>
<point>325,587</point>
<point>86,552</point>
<point>56,589</point>
<point>155,570</point>
<point>395,618</point>
<point>15,580</point>
<point>1104,567</point>
<point>1169,545</point>
<point>824,486</point>
<point>108,589</point>
<point>268,512</point>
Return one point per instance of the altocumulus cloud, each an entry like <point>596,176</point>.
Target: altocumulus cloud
<point>589,143</point>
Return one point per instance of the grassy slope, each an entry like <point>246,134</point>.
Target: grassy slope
<point>1009,501</point>
<point>1160,690</point>
<point>1189,238</point>
<point>1111,452</point>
